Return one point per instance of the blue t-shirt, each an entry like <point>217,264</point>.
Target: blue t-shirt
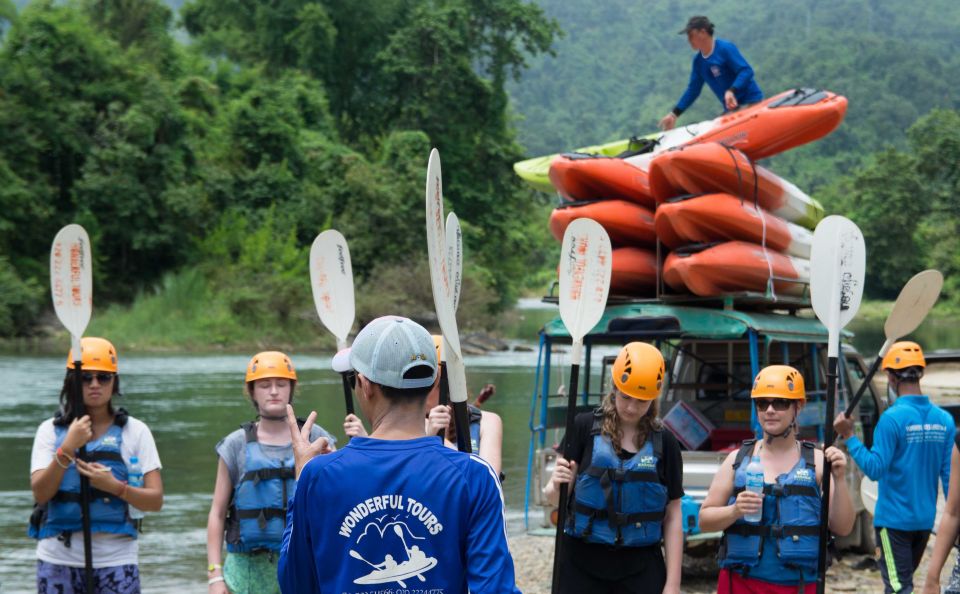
<point>724,69</point>
<point>912,445</point>
<point>382,515</point>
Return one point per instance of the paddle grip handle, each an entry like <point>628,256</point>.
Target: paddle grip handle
<point>863,386</point>
<point>347,393</point>
<point>825,483</point>
<point>462,421</point>
<point>444,391</point>
<point>79,410</point>
<point>564,490</point>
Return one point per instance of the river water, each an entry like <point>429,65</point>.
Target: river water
<point>191,401</point>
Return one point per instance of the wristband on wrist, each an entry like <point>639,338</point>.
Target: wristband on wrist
<point>214,580</point>
<point>59,453</point>
<point>214,567</point>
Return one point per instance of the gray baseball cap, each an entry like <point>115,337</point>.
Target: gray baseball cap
<point>389,347</point>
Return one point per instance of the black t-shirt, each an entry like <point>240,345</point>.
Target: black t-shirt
<point>609,561</point>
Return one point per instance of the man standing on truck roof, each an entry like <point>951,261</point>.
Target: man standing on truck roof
<point>778,554</point>
<point>719,63</point>
<point>912,445</point>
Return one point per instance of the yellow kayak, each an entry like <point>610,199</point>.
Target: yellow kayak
<point>536,171</point>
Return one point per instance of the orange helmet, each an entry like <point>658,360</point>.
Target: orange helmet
<point>270,364</point>
<point>638,371</point>
<point>904,354</point>
<point>98,355</point>
<point>438,342</point>
<point>779,381</point>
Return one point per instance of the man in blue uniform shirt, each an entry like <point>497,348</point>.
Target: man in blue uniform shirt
<point>719,64</point>
<point>395,510</point>
<point>912,445</point>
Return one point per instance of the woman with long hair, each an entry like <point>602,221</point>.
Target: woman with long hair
<point>626,475</point>
<point>255,480</point>
<point>114,441</point>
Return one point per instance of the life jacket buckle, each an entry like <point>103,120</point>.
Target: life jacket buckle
<point>619,475</point>
<point>777,490</point>
<point>776,531</point>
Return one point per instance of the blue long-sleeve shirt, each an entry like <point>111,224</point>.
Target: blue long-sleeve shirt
<point>724,69</point>
<point>912,445</point>
<point>381,516</point>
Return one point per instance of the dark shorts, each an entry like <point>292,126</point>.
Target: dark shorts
<point>900,554</point>
<point>60,579</point>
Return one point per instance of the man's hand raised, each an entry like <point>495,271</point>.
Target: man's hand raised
<point>303,449</point>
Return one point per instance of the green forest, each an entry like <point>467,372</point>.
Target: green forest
<point>203,144</point>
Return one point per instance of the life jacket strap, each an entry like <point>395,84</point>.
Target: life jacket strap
<point>619,519</point>
<point>262,515</point>
<point>266,474</point>
<point>773,531</point>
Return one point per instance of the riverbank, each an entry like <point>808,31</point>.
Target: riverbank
<point>533,560</point>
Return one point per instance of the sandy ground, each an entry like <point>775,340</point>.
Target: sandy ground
<point>533,559</point>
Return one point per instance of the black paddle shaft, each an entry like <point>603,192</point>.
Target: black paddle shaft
<point>347,393</point>
<point>863,386</point>
<point>461,420</point>
<point>80,410</point>
<point>444,392</point>
<point>562,510</point>
<point>825,483</point>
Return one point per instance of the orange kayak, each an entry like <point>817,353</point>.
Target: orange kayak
<point>711,167</point>
<point>732,267</point>
<point>634,272</point>
<point>627,223</point>
<point>721,217</point>
<point>579,176</point>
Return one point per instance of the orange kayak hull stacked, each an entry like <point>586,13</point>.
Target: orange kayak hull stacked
<point>586,177</point>
<point>627,223</point>
<point>782,122</point>
<point>707,168</point>
<point>634,272</point>
<point>733,267</point>
<point>721,217</point>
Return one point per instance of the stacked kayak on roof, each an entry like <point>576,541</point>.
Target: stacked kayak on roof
<point>731,225</point>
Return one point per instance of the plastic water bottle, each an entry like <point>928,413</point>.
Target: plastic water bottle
<point>755,484</point>
<point>135,479</point>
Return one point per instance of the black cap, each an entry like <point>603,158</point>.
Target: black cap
<point>698,22</point>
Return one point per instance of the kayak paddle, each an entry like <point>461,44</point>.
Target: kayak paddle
<point>585,267</point>
<point>443,300</point>
<point>455,269</point>
<point>914,302</point>
<point>837,267</point>
<point>331,277</point>
<point>71,285</point>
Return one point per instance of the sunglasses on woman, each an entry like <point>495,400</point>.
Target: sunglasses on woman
<point>102,377</point>
<point>778,404</point>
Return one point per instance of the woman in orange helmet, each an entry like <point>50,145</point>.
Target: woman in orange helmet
<point>114,440</point>
<point>624,462</point>
<point>778,553</point>
<point>255,479</point>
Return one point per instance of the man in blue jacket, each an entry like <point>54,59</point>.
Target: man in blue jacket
<point>718,63</point>
<point>912,445</point>
<point>396,510</point>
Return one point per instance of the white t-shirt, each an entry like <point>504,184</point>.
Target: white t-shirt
<point>109,550</point>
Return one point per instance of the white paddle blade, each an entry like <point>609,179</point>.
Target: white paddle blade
<point>437,254</point>
<point>331,278</point>
<point>914,302</point>
<point>71,279</point>
<point>454,239</point>
<point>837,267</point>
<point>585,266</point>
<point>868,494</point>
<point>456,378</point>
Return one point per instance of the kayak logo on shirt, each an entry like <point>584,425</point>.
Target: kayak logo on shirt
<point>647,463</point>
<point>382,529</point>
<point>804,474</point>
<point>715,71</point>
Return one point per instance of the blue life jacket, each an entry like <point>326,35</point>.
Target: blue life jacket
<point>108,513</point>
<point>783,548</point>
<point>475,416</point>
<point>258,511</point>
<point>619,502</point>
